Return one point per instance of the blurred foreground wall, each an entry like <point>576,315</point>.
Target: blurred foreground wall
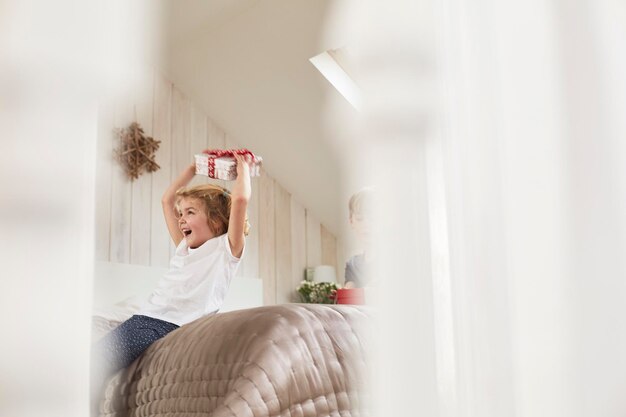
<point>501,127</point>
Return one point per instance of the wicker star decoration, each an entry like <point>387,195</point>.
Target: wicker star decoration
<point>136,151</point>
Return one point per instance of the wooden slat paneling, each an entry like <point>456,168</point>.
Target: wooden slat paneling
<point>267,265</point>
<point>313,240</point>
<point>160,240</point>
<point>181,137</point>
<point>199,139</point>
<point>143,89</point>
<point>341,261</point>
<point>181,133</point>
<point>217,137</point>
<point>121,190</point>
<point>298,244</point>
<point>329,248</point>
<point>251,259</point>
<point>104,166</point>
<point>284,281</point>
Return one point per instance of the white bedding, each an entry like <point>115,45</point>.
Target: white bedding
<point>120,289</point>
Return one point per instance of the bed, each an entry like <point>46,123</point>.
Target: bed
<point>292,360</point>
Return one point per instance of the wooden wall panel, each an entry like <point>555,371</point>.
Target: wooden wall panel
<point>267,265</point>
<point>341,259</point>
<point>121,190</point>
<point>298,245</point>
<point>181,133</point>
<point>141,225</point>
<point>199,140</point>
<point>160,240</point>
<point>181,138</point>
<point>329,248</point>
<point>313,241</point>
<point>104,166</point>
<point>217,137</point>
<point>251,260</point>
<point>282,206</point>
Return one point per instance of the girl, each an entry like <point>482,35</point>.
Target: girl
<point>208,225</point>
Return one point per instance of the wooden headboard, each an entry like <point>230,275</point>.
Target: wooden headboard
<point>116,282</point>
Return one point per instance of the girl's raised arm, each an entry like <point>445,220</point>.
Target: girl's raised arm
<point>169,201</point>
<point>240,195</point>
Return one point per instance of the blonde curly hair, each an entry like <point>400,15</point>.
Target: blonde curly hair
<point>216,201</point>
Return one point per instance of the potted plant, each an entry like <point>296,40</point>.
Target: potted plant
<point>317,292</point>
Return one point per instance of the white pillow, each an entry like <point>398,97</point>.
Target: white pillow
<point>123,310</point>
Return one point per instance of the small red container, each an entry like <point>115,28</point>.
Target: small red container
<point>351,296</point>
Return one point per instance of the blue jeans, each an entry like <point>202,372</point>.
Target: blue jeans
<point>129,340</point>
<point>120,347</point>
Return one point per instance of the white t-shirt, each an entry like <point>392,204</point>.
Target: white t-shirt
<point>196,283</point>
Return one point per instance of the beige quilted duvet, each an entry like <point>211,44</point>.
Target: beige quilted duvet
<point>295,360</point>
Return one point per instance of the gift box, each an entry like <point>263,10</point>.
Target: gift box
<point>222,165</point>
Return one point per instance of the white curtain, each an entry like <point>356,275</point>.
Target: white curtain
<point>498,133</point>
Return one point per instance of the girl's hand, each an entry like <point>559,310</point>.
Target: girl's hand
<point>241,188</point>
<point>243,167</point>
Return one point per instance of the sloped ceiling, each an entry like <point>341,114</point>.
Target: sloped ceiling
<point>246,63</point>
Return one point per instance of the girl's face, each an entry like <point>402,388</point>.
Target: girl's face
<point>193,222</point>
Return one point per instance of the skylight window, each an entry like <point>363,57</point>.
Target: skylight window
<point>333,66</point>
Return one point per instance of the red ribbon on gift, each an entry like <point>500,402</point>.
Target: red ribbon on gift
<point>219,153</point>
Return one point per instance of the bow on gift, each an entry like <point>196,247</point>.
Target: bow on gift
<point>220,153</point>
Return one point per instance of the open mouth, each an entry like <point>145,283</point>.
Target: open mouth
<point>186,232</point>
